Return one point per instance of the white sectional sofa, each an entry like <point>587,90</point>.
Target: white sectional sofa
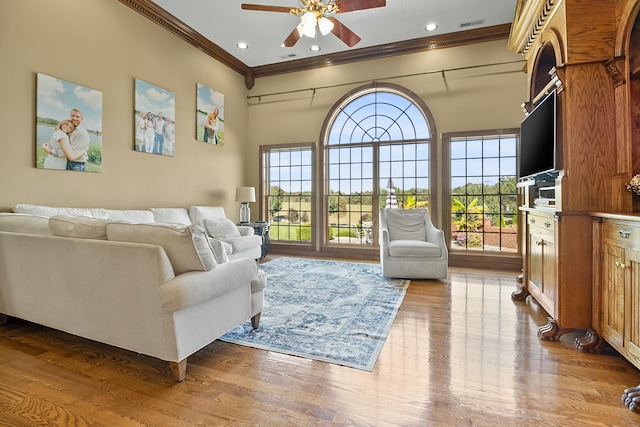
<point>153,288</point>
<point>239,241</point>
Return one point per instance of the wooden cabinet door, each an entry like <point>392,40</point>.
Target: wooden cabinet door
<point>535,243</point>
<point>613,304</point>
<point>632,304</point>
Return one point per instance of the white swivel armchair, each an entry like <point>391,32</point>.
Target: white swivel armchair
<point>411,247</point>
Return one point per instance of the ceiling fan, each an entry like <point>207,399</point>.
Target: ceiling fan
<point>318,14</point>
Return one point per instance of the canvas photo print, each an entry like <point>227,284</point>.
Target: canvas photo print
<point>68,126</point>
<point>154,118</point>
<point>209,115</point>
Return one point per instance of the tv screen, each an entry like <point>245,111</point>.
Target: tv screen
<point>537,152</point>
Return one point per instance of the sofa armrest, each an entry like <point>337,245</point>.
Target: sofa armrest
<point>194,287</point>
<point>246,230</point>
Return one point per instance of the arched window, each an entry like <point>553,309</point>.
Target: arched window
<point>377,144</point>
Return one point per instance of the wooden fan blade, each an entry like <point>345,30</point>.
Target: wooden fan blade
<point>293,38</point>
<point>265,8</point>
<point>343,33</point>
<point>351,5</point>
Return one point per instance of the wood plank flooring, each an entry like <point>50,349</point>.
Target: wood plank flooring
<point>460,353</point>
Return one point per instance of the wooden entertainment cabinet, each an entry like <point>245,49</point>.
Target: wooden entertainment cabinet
<point>582,256</point>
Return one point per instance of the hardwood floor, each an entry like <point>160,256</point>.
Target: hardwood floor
<point>460,353</point>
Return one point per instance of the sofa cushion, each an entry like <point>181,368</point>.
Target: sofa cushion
<point>25,223</point>
<point>221,228</point>
<point>406,226</point>
<point>78,227</point>
<point>200,213</point>
<point>130,215</point>
<point>50,211</point>
<point>187,247</point>
<point>171,215</point>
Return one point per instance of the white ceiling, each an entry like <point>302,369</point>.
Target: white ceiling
<point>224,23</point>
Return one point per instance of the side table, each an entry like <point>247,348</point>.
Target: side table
<point>261,228</point>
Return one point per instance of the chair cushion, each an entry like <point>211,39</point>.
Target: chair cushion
<point>187,247</point>
<point>79,227</point>
<point>406,226</point>
<point>413,249</point>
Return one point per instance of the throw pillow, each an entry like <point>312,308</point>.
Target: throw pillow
<point>171,215</point>
<point>406,226</point>
<point>187,247</point>
<point>220,250</point>
<point>221,228</point>
<point>79,227</point>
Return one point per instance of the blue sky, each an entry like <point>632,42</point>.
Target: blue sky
<point>154,99</point>
<point>56,99</point>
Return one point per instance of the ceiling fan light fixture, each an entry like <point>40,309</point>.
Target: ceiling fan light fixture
<point>325,26</point>
<point>309,22</point>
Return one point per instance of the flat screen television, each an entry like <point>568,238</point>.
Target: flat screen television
<point>537,148</point>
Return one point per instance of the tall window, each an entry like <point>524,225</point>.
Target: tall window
<point>287,189</point>
<point>483,203</point>
<point>377,143</point>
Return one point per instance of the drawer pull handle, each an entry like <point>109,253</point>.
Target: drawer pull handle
<point>539,242</point>
<point>547,224</point>
<point>621,265</point>
<point>625,234</point>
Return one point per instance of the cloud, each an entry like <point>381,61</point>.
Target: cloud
<point>91,98</point>
<point>157,96</point>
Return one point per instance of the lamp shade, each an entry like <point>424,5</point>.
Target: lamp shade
<point>245,194</point>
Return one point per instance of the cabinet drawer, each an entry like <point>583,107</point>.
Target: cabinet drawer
<point>542,222</point>
<point>622,233</point>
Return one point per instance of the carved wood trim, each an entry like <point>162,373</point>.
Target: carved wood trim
<point>615,68</point>
<point>163,18</point>
<point>531,17</point>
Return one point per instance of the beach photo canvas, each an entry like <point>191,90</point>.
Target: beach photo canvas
<point>209,115</point>
<point>68,126</point>
<point>154,118</point>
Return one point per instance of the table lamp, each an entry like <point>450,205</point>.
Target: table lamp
<point>244,195</point>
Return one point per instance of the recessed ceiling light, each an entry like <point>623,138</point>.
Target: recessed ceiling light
<point>315,48</point>
<point>242,45</point>
<point>431,27</point>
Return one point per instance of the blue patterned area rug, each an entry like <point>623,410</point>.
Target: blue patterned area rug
<point>337,312</point>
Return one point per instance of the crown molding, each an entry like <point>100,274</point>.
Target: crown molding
<point>166,20</point>
<point>480,35</point>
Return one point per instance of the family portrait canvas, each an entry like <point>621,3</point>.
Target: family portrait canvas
<point>154,118</point>
<point>209,115</point>
<point>68,126</point>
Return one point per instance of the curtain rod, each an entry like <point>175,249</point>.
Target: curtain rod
<point>424,73</point>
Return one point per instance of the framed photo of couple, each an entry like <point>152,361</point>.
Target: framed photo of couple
<point>209,115</point>
<point>68,126</point>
